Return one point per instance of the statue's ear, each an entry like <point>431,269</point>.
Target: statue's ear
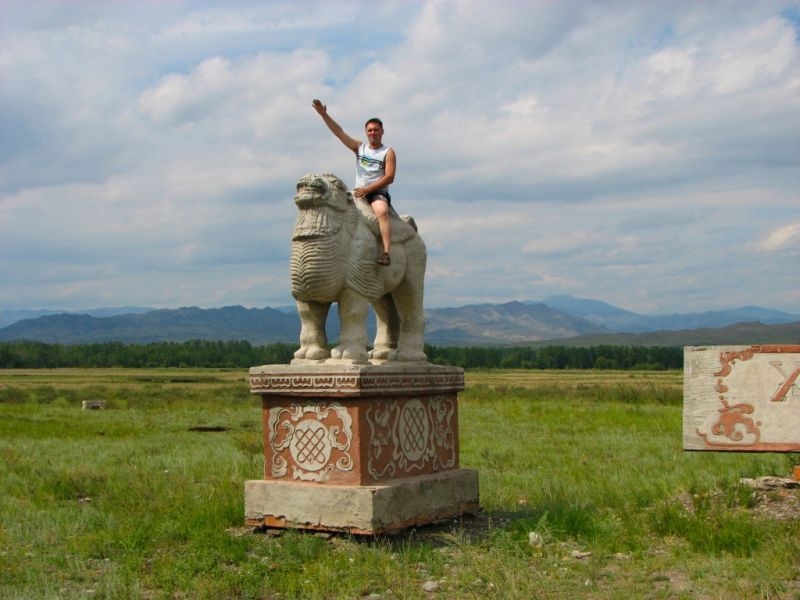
<point>336,182</point>
<point>339,185</point>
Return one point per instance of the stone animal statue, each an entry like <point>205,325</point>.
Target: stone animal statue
<point>335,245</point>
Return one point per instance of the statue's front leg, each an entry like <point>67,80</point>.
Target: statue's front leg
<point>353,333</point>
<point>313,341</point>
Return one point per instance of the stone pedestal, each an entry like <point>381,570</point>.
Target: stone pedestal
<point>359,448</point>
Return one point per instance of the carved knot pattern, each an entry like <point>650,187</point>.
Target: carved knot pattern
<point>412,437</point>
<point>414,430</point>
<point>317,437</point>
<point>310,446</point>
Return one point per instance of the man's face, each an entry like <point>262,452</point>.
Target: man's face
<point>374,134</point>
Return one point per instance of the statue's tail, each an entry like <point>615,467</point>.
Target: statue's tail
<point>410,220</point>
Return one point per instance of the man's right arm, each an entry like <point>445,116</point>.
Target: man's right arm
<point>335,128</point>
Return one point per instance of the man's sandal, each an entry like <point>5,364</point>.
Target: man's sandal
<point>384,260</point>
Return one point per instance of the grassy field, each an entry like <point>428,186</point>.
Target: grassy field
<point>586,493</point>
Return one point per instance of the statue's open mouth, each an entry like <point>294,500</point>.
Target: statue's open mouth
<point>310,192</point>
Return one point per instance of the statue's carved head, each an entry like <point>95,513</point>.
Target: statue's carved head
<point>316,190</point>
<point>322,201</point>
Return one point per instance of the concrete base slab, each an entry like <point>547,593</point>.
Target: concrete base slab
<point>362,509</point>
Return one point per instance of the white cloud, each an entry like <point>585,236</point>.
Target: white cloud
<point>781,239</point>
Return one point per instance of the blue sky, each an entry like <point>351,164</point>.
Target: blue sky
<point>642,153</point>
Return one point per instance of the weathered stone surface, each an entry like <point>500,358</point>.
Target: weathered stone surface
<point>742,398</point>
<point>358,509</point>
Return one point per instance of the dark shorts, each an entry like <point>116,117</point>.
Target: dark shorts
<point>375,195</point>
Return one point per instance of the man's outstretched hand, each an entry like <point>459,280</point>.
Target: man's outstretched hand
<point>319,107</point>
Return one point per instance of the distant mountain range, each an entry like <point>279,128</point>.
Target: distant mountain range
<point>559,319</point>
<point>259,326</point>
<point>620,320</point>
<point>9,317</point>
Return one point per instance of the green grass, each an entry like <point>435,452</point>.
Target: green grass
<point>128,502</point>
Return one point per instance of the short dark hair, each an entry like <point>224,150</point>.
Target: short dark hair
<point>374,120</point>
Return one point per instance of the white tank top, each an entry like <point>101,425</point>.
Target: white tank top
<point>370,165</point>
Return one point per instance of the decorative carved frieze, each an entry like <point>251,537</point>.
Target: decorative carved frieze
<point>354,380</point>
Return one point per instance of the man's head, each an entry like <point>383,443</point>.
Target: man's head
<point>374,130</point>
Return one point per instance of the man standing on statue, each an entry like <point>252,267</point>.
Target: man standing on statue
<point>375,169</point>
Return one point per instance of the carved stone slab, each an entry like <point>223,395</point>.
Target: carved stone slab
<point>742,398</point>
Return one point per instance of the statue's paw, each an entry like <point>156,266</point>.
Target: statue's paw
<point>312,353</point>
<point>412,356</point>
<point>356,357</point>
<point>352,354</point>
<point>383,354</point>
<point>317,353</point>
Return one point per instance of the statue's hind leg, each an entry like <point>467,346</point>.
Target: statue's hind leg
<point>388,322</point>
<point>313,341</point>
<point>410,342</point>
<point>408,300</point>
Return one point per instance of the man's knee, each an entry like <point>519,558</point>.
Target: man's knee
<point>380,208</point>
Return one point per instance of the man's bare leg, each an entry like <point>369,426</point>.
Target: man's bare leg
<point>381,209</point>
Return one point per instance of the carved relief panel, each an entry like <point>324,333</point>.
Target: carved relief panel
<point>742,398</point>
<point>310,442</point>
<point>412,436</point>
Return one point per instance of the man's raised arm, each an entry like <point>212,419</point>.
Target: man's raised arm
<point>335,128</point>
